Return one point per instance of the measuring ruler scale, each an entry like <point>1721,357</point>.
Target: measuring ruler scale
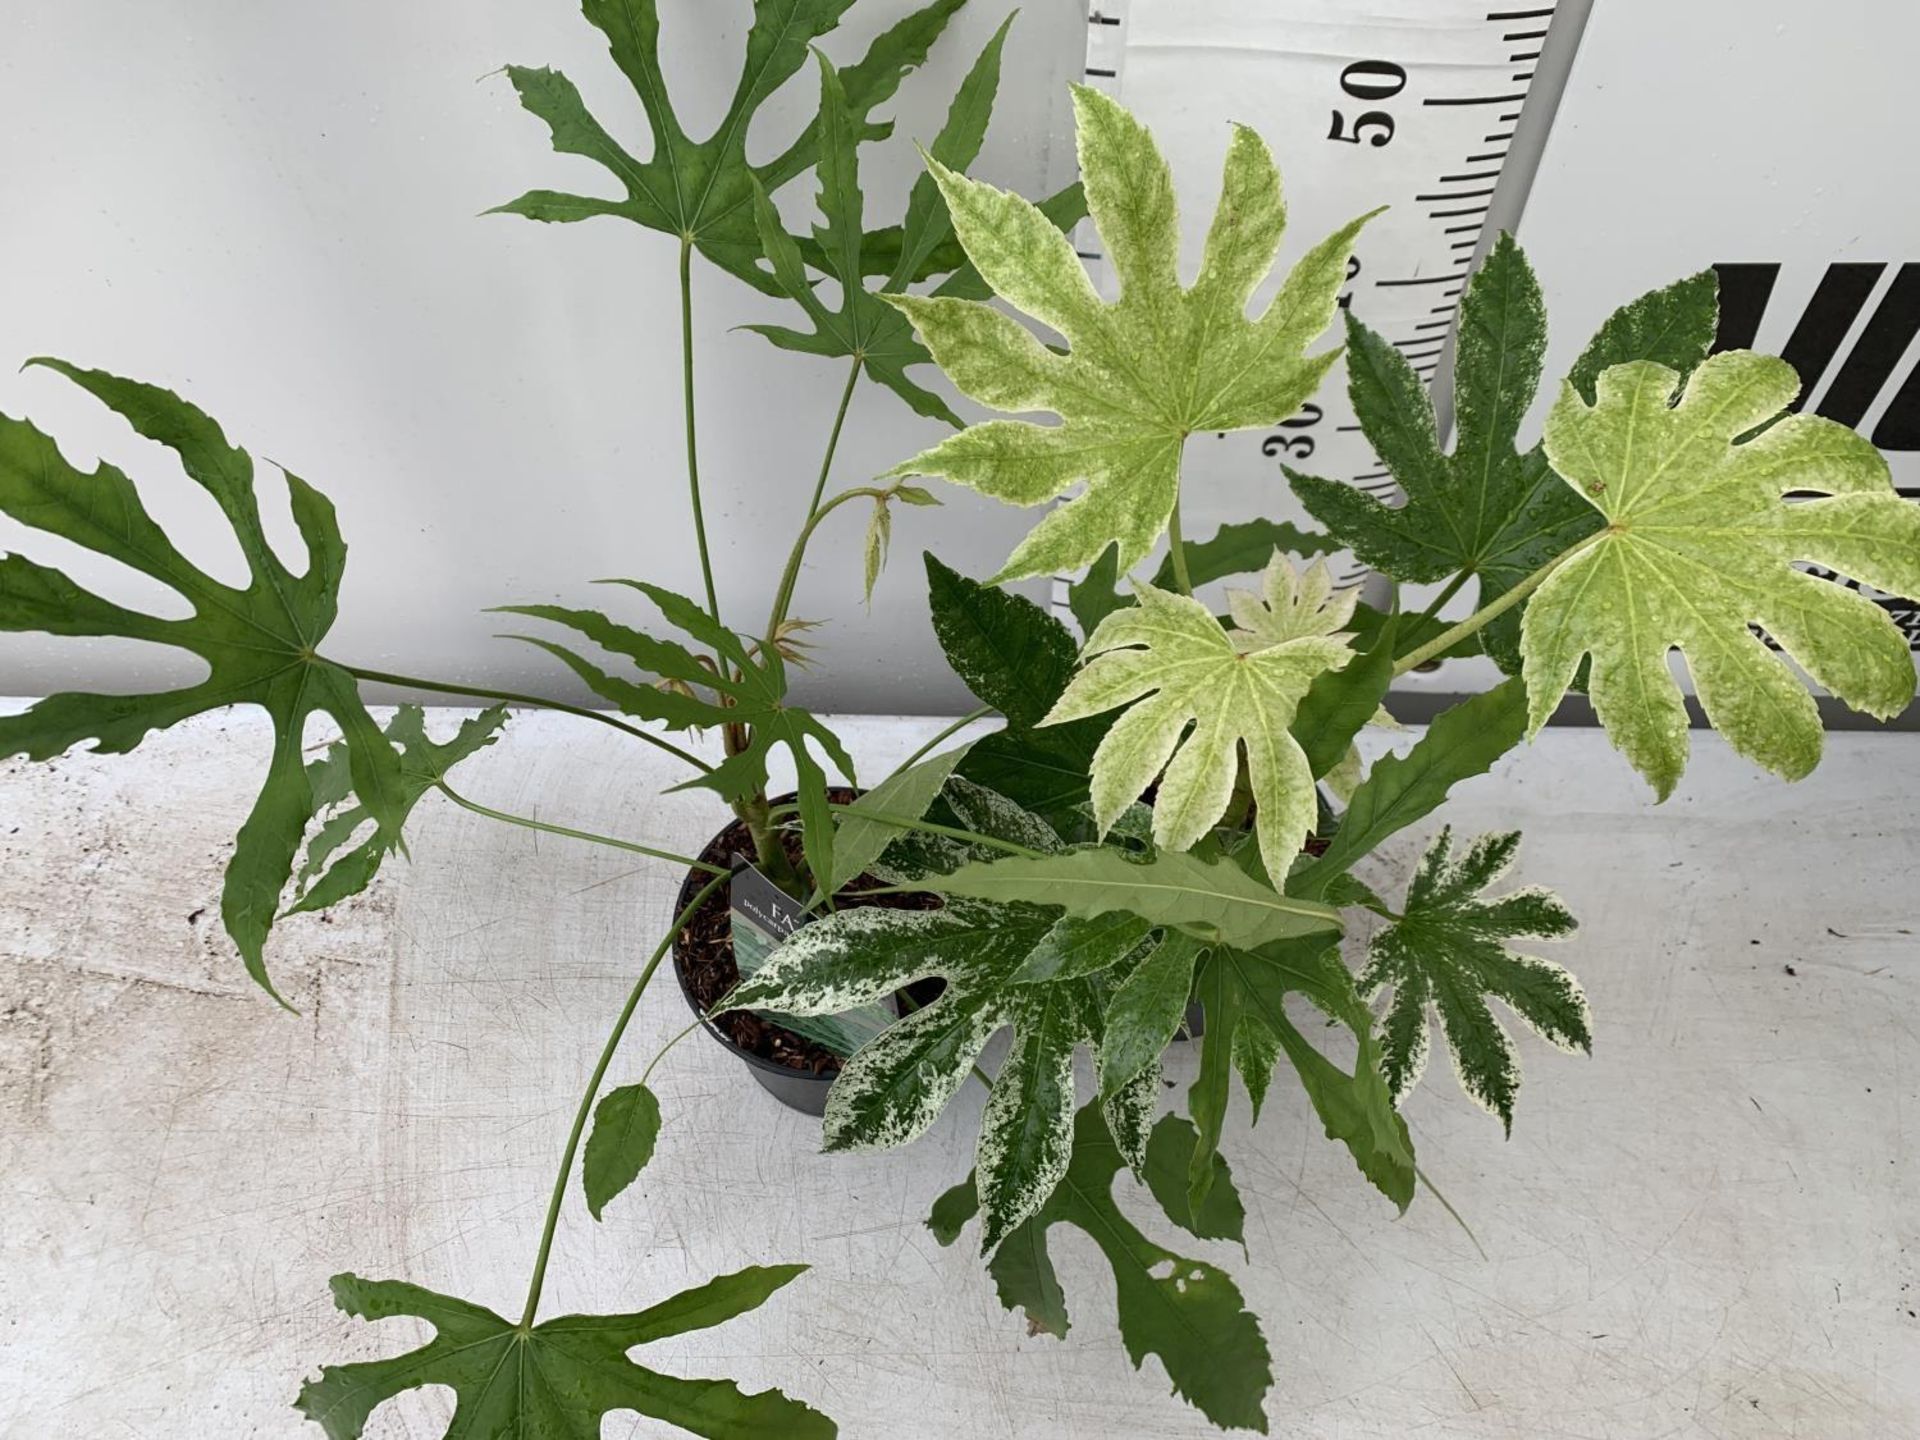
<point>1409,103</point>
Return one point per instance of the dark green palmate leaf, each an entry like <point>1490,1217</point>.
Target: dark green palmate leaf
<point>1461,743</point>
<point>703,189</point>
<point>1243,992</point>
<point>557,1380</point>
<point>1186,1312</point>
<point>746,685</point>
<point>903,796</point>
<point>1488,509</point>
<point>864,326</point>
<point>1017,658</point>
<point>989,956</point>
<point>1449,952</point>
<point>326,876</point>
<point>260,643</point>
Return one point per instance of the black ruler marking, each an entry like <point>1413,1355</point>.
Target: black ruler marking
<point>1473,99</point>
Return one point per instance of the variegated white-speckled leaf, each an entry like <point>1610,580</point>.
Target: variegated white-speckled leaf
<point>894,1086</point>
<point>1449,952</point>
<point>1146,1010</point>
<point>1077,946</point>
<point>1699,547</point>
<point>1139,376</point>
<point>1169,660</point>
<point>1131,1112</point>
<point>988,812</point>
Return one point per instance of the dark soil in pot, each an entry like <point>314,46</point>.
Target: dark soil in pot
<point>796,1070</point>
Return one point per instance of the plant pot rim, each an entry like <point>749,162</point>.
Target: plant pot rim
<point>760,1065</point>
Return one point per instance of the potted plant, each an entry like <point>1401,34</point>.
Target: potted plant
<point>1173,810</point>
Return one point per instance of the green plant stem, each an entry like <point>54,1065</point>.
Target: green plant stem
<point>661,1053</point>
<point>753,812</point>
<point>833,436</point>
<point>593,1089</point>
<point>1489,612</point>
<point>947,734</point>
<point>790,577</point>
<point>410,682</point>
<point>1177,550</point>
<point>571,834</point>
<point>693,447</point>
<point>1439,601</point>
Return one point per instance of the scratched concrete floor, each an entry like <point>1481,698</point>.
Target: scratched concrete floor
<point>1706,1230</point>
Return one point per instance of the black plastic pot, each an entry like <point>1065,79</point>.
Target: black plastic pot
<point>801,1090</point>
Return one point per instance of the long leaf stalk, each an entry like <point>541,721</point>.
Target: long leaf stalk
<point>585,1110</point>
<point>755,811</point>
<point>1439,602</point>
<point>833,436</point>
<point>1489,612</point>
<point>693,444</point>
<point>568,832</point>
<point>929,827</point>
<point>538,702</point>
<point>1177,549</point>
<point>940,736</point>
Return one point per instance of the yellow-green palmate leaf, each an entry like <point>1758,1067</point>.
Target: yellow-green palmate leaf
<point>1698,549</point>
<point>1487,509</point>
<point>259,641</point>
<point>1169,659</point>
<point>1140,375</point>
